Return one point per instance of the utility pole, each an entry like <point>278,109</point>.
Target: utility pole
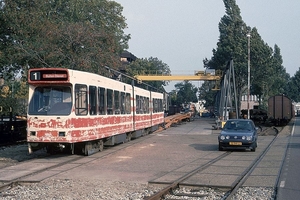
<point>248,95</point>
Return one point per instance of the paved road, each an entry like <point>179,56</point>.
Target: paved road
<point>289,182</point>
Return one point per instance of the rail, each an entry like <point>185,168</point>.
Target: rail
<point>170,187</point>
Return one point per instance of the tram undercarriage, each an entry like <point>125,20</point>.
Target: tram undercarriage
<point>89,147</point>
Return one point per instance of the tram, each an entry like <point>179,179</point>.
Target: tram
<point>81,112</point>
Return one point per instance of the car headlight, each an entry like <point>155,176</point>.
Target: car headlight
<point>222,137</point>
<point>227,137</point>
<point>249,138</point>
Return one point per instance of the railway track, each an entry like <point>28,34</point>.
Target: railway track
<point>38,169</point>
<point>177,189</point>
<point>22,178</point>
<point>25,178</point>
<point>204,163</point>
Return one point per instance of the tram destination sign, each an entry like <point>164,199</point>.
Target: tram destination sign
<point>49,74</point>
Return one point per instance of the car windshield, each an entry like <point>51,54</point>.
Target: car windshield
<point>51,101</point>
<point>238,125</point>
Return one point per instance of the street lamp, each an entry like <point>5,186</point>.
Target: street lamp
<point>248,95</point>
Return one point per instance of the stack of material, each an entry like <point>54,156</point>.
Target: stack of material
<point>175,119</point>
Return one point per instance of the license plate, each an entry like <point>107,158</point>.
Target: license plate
<point>235,143</point>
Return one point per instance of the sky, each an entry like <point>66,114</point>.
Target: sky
<point>183,33</point>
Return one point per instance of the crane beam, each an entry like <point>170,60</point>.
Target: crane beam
<point>208,75</point>
<point>177,77</point>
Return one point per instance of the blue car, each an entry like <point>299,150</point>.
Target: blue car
<point>238,134</point>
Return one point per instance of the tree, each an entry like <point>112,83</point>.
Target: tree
<point>260,65</point>
<point>13,96</point>
<point>280,76</point>
<point>207,93</point>
<point>82,35</point>
<point>150,66</point>
<point>268,76</point>
<point>232,45</point>
<point>185,93</point>
<point>293,87</point>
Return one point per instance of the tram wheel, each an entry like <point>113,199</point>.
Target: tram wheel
<point>128,137</point>
<point>51,149</point>
<point>87,148</point>
<point>101,145</point>
<point>90,148</point>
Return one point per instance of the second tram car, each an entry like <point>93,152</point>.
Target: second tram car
<point>82,112</point>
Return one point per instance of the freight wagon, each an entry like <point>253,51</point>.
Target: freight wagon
<point>280,109</point>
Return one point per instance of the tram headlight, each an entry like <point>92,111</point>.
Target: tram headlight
<point>61,134</point>
<point>32,133</point>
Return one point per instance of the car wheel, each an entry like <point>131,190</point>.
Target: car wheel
<point>220,148</point>
<point>254,146</point>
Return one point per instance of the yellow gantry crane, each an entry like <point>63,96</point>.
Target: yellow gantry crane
<point>208,75</point>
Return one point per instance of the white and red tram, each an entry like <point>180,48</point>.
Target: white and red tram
<point>82,112</point>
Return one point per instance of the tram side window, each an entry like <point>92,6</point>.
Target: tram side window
<point>158,105</point>
<point>117,110</point>
<point>147,104</point>
<point>155,106</point>
<point>143,109</point>
<point>138,104</point>
<point>93,100</point>
<point>110,101</point>
<point>161,109</point>
<point>122,102</point>
<point>144,106</point>
<point>81,104</point>
<point>102,102</point>
<point>127,103</point>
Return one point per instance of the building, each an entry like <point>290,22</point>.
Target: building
<point>254,101</point>
<point>126,59</point>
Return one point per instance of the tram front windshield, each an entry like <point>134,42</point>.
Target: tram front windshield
<point>54,100</point>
